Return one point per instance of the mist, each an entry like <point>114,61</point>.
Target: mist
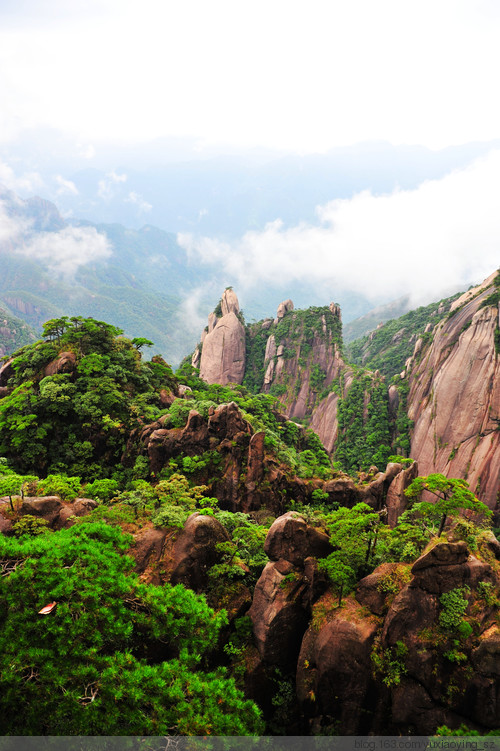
<point>425,242</point>
<point>65,251</point>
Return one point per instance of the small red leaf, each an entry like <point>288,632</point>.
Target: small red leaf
<point>47,609</point>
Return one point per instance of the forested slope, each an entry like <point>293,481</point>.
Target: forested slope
<point>179,558</point>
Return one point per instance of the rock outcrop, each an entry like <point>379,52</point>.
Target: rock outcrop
<point>194,551</point>
<point>222,356</point>
<point>51,508</point>
<point>302,357</point>
<point>65,362</point>
<point>454,397</point>
<point>249,476</point>
<point>287,589</point>
<point>290,538</point>
<point>400,660</point>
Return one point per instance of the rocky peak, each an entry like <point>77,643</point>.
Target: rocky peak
<point>284,307</point>
<point>229,302</point>
<point>221,353</point>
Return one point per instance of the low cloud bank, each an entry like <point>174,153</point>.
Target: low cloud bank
<point>64,252</point>
<point>422,242</point>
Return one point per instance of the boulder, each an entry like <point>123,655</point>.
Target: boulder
<point>226,422</point>
<point>162,443</point>
<point>79,507</point>
<point>292,539</point>
<point>229,302</point>
<point>334,673</point>
<point>147,548</point>
<point>447,566</point>
<point>194,551</point>
<point>395,500</point>
<point>167,398</point>
<point>284,307</point>
<point>47,508</point>
<point>486,657</point>
<point>373,592</point>
<point>415,712</point>
<point>255,462</point>
<point>6,372</point>
<point>492,543</point>
<point>279,613</point>
<point>5,525</point>
<point>83,506</point>
<point>65,362</point>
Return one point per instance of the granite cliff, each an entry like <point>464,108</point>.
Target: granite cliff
<point>454,393</point>
<point>440,405</point>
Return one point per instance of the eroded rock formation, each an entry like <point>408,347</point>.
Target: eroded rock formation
<point>222,357</point>
<point>454,396</point>
<point>405,669</point>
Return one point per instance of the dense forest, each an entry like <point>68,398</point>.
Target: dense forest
<point>172,552</point>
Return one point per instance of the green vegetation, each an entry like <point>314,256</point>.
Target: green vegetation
<point>363,417</point>
<point>390,662</point>
<point>115,654</point>
<point>89,666</point>
<point>78,422</point>
<point>14,333</point>
<point>453,496</point>
<point>298,332</point>
<point>298,448</point>
<point>387,348</point>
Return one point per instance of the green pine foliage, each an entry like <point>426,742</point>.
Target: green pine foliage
<point>387,348</point>
<point>115,656</point>
<point>364,432</point>
<point>78,423</point>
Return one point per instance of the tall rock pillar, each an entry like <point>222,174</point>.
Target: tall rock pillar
<point>223,347</point>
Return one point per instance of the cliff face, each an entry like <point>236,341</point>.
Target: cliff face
<point>454,394</point>
<point>302,357</point>
<point>448,392</point>
<point>222,356</point>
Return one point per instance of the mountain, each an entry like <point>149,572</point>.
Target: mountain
<point>423,385</point>
<point>134,278</point>
<point>139,279</point>
<point>187,187</point>
<point>14,332</point>
<point>298,358</point>
<point>453,380</point>
<point>388,347</point>
<point>228,560</point>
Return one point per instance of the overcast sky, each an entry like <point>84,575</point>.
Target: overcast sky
<point>290,75</point>
<point>305,76</point>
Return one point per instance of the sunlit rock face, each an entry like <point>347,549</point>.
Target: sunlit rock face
<point>223,349</point>
<point>454,396</point>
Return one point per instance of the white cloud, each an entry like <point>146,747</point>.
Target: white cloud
<point>65,186</point>
<point>135,198</point>
<point>86,151</point>
<point>106,186</point>
<point>28,182</point>
<point>64,252</point>
<point>421,242</point>
<point>12,228</point>
<point>189,315</point>
<point>326,74</point>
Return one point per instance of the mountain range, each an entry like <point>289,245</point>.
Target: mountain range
<point>141,280</point>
